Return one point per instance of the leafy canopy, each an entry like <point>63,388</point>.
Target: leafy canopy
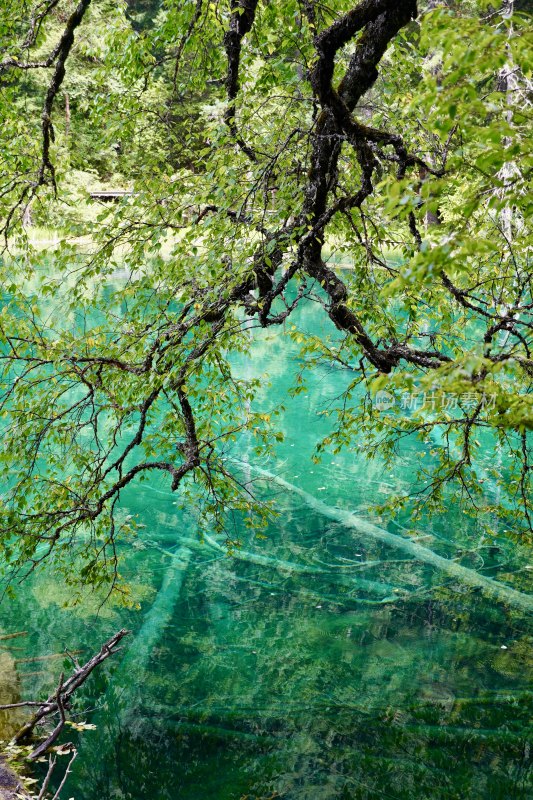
<point>371,158</point>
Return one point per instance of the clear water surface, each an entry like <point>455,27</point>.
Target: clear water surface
<point>319,663</point>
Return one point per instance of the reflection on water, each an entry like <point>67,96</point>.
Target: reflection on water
<point>315,663</point>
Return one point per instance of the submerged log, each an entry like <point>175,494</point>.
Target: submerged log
<point>453,734</point>
<point>158,617</point>
<point>470,577</point>
<point>314,595</point>
<point>372,587</point>
<point>120,701</point>
<point>50,657</point>
<point>388,593</point>
<point>5,636</point>
<point>208,731</point>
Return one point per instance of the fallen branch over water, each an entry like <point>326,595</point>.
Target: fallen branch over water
<point>51,767</point>
<point>59,700</point>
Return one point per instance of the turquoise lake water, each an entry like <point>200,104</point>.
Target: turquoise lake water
<point>318,662</point>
